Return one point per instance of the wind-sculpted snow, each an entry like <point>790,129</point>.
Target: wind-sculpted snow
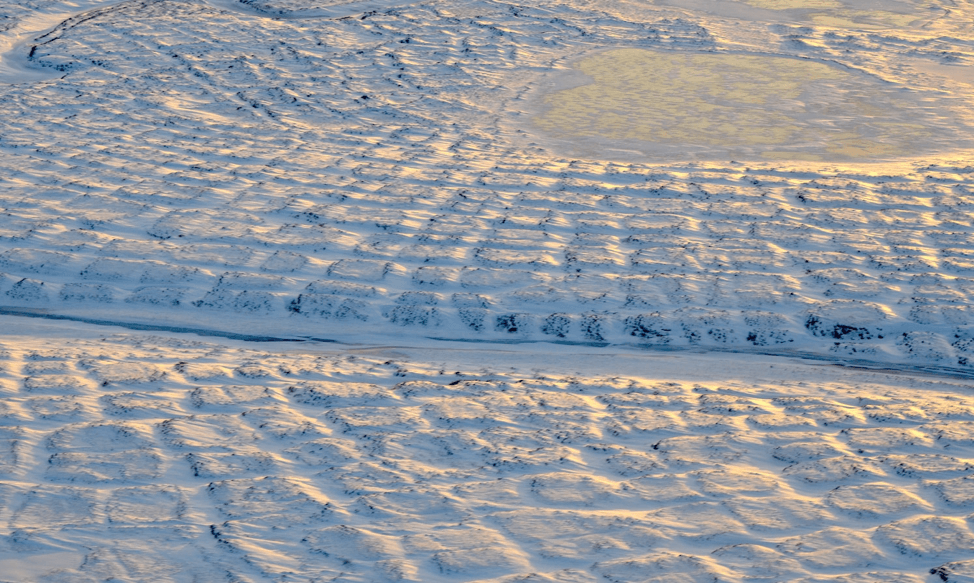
<point>376,171</point>
<point>343,169</point>
<point>169,458</point>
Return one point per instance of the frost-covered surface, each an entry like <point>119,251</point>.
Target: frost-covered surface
<point>338,169</point>
<point>129,457</point>
<point>375,172</point>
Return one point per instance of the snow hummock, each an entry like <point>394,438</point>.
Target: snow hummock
<point>339,170</point>
<point>183,458</point>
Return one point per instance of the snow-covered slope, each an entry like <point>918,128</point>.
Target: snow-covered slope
<point>373,169</point>
<point>128,457</point>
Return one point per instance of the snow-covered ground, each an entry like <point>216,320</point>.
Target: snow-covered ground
<point>134,457</point>
<point>616,224</point>
<point>316,170</point>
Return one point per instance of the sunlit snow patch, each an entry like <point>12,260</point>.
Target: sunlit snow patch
<point>852,14</point>
<point>849,15</point>
<point>286,9</point>
<point>16,39</point>
<point>718,106</point>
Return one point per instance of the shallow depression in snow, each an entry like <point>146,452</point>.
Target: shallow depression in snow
<point>718,106</point>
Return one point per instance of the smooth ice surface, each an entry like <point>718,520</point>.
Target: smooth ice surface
<point>679,104</point>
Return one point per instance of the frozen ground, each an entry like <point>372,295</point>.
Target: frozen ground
<point>375,169</point>
<point>133,457</point>
<point>659,188</point>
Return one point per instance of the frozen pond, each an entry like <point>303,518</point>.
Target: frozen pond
<point>706,105</point>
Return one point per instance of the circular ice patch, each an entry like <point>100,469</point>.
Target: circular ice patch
<point>720,106</point>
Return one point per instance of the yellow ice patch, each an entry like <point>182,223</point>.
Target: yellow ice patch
<point>772,107</point>
<point>793,4</point>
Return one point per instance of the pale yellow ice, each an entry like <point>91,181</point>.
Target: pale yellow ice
<point>772,107</point>
<point>864,19</point>
<point>793,4</point>
<point>837,15</point>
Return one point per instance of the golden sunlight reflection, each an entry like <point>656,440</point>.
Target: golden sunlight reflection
<point>706,105</point>
<point>897,15</point>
